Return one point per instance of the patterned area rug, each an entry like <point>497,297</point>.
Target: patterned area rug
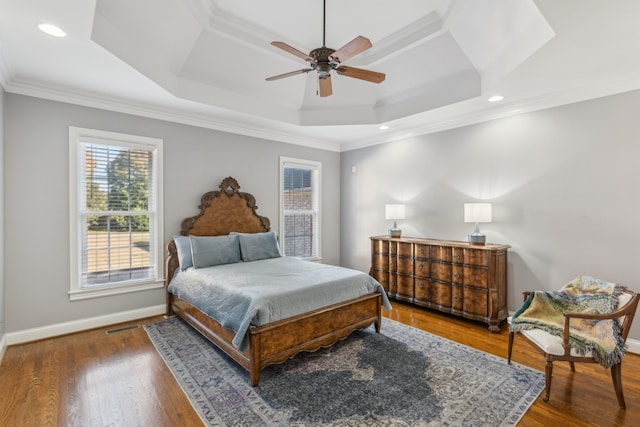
<point>400,377</point>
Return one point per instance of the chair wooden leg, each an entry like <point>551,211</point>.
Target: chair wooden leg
<point>548,373</point>
<point>572,366</point>
<point>510,348</point>
<point>616,376</point>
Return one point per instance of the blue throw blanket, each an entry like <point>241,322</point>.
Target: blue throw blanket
<point>260,292</point>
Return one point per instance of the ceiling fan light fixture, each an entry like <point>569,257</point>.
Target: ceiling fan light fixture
<point>325,59</point>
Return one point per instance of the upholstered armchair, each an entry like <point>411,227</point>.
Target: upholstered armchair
<point>560,343</point>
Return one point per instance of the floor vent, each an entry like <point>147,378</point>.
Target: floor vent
<point>124,328</point>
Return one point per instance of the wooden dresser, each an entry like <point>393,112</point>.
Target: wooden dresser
<point>454,277</point>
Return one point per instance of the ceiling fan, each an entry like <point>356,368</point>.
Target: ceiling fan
<point>325,59</point>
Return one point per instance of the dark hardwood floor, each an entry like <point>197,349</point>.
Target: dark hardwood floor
<point>118,379</point>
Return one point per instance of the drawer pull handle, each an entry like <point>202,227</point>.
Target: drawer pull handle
<point>421,284</point>
<point>457,275</point>
<point>421,266</point>
<point>456,298</point>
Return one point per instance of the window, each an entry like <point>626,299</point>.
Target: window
<point>115,213</point>
<point>300,208</point>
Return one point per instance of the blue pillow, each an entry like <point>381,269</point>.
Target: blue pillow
<point>208,251</point>
<point>255,246</point>
<point>183,245</point>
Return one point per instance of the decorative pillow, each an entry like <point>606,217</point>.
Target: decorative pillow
<point>256,246</point>
<point>208,251</point>
<point>183,245</point>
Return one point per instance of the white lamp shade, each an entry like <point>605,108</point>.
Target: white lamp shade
<point>477,212</point>
<point>394,211</point>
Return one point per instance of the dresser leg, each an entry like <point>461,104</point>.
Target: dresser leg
<point>494,327</point>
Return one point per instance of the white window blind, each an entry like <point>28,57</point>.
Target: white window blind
<point>300,208</point>
<point>116,212</point>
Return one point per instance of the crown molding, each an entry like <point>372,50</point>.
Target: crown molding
<point>245,127</point>
<point>439,120</point>
<point>6,73</point>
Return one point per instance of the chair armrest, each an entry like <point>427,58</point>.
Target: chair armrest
<point>627,309</point>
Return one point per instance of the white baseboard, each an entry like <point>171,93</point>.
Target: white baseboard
<point>633,346</point>
<point>49,331</point>
<point>3,347</point>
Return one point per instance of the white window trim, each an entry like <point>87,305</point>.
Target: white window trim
<point>308,164</point>
<point>76,136</point>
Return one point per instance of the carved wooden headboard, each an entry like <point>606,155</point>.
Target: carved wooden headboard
<point>221,212</point>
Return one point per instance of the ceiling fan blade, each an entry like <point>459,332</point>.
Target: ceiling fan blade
<point>292,50</point>
<point>325,86</point>
<point>359,73</point>
<point>351,49</point>
<point>289,74</point>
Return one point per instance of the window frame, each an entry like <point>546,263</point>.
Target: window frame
<point>78,136</point>
<point>316,181</point>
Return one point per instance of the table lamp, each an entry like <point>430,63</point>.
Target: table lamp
<point>394,212</point>
<point>477,213</point>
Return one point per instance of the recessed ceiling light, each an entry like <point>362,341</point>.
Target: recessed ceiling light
<point>52,30</point>
<point>496,98</point>
<point>383,127</point>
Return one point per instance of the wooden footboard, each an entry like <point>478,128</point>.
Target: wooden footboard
<point>279,341</point>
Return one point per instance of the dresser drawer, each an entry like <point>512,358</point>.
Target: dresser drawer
<point>382,277</point>
<point>393,283</point>
<point>380,246</point>
<point>440,295</point>
<point>471,256</point>
<point>476,276</point>
<point>401,249</point>
<point>404,265</point>
<point>441,271</point>
<point>404,286</point>
<point>441,253</point>
<point>457,274</point>
<point>421,251</point>
<point>475,302</point>
<point>421,290</point>
<point>404,249</point>
<point>470,276</point>
<point>457,298</point>
<point>421,268</point>
<point>380,261</point>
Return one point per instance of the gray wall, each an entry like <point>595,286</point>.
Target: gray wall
<point>2,192</point>
<point>564,184</point>
<point>195,161</point>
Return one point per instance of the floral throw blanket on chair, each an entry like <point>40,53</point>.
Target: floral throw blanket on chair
<point>545,310</point>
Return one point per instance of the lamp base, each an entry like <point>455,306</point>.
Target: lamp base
<point>477,239</point>
<point>395,233</point>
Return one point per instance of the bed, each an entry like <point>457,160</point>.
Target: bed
<point>227,212</point>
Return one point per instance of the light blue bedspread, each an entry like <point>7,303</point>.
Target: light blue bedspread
<point>259,292</point>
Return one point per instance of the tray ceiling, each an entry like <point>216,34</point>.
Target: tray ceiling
<point>204,62</point>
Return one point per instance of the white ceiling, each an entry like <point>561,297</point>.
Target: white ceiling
<point>204,62</point>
